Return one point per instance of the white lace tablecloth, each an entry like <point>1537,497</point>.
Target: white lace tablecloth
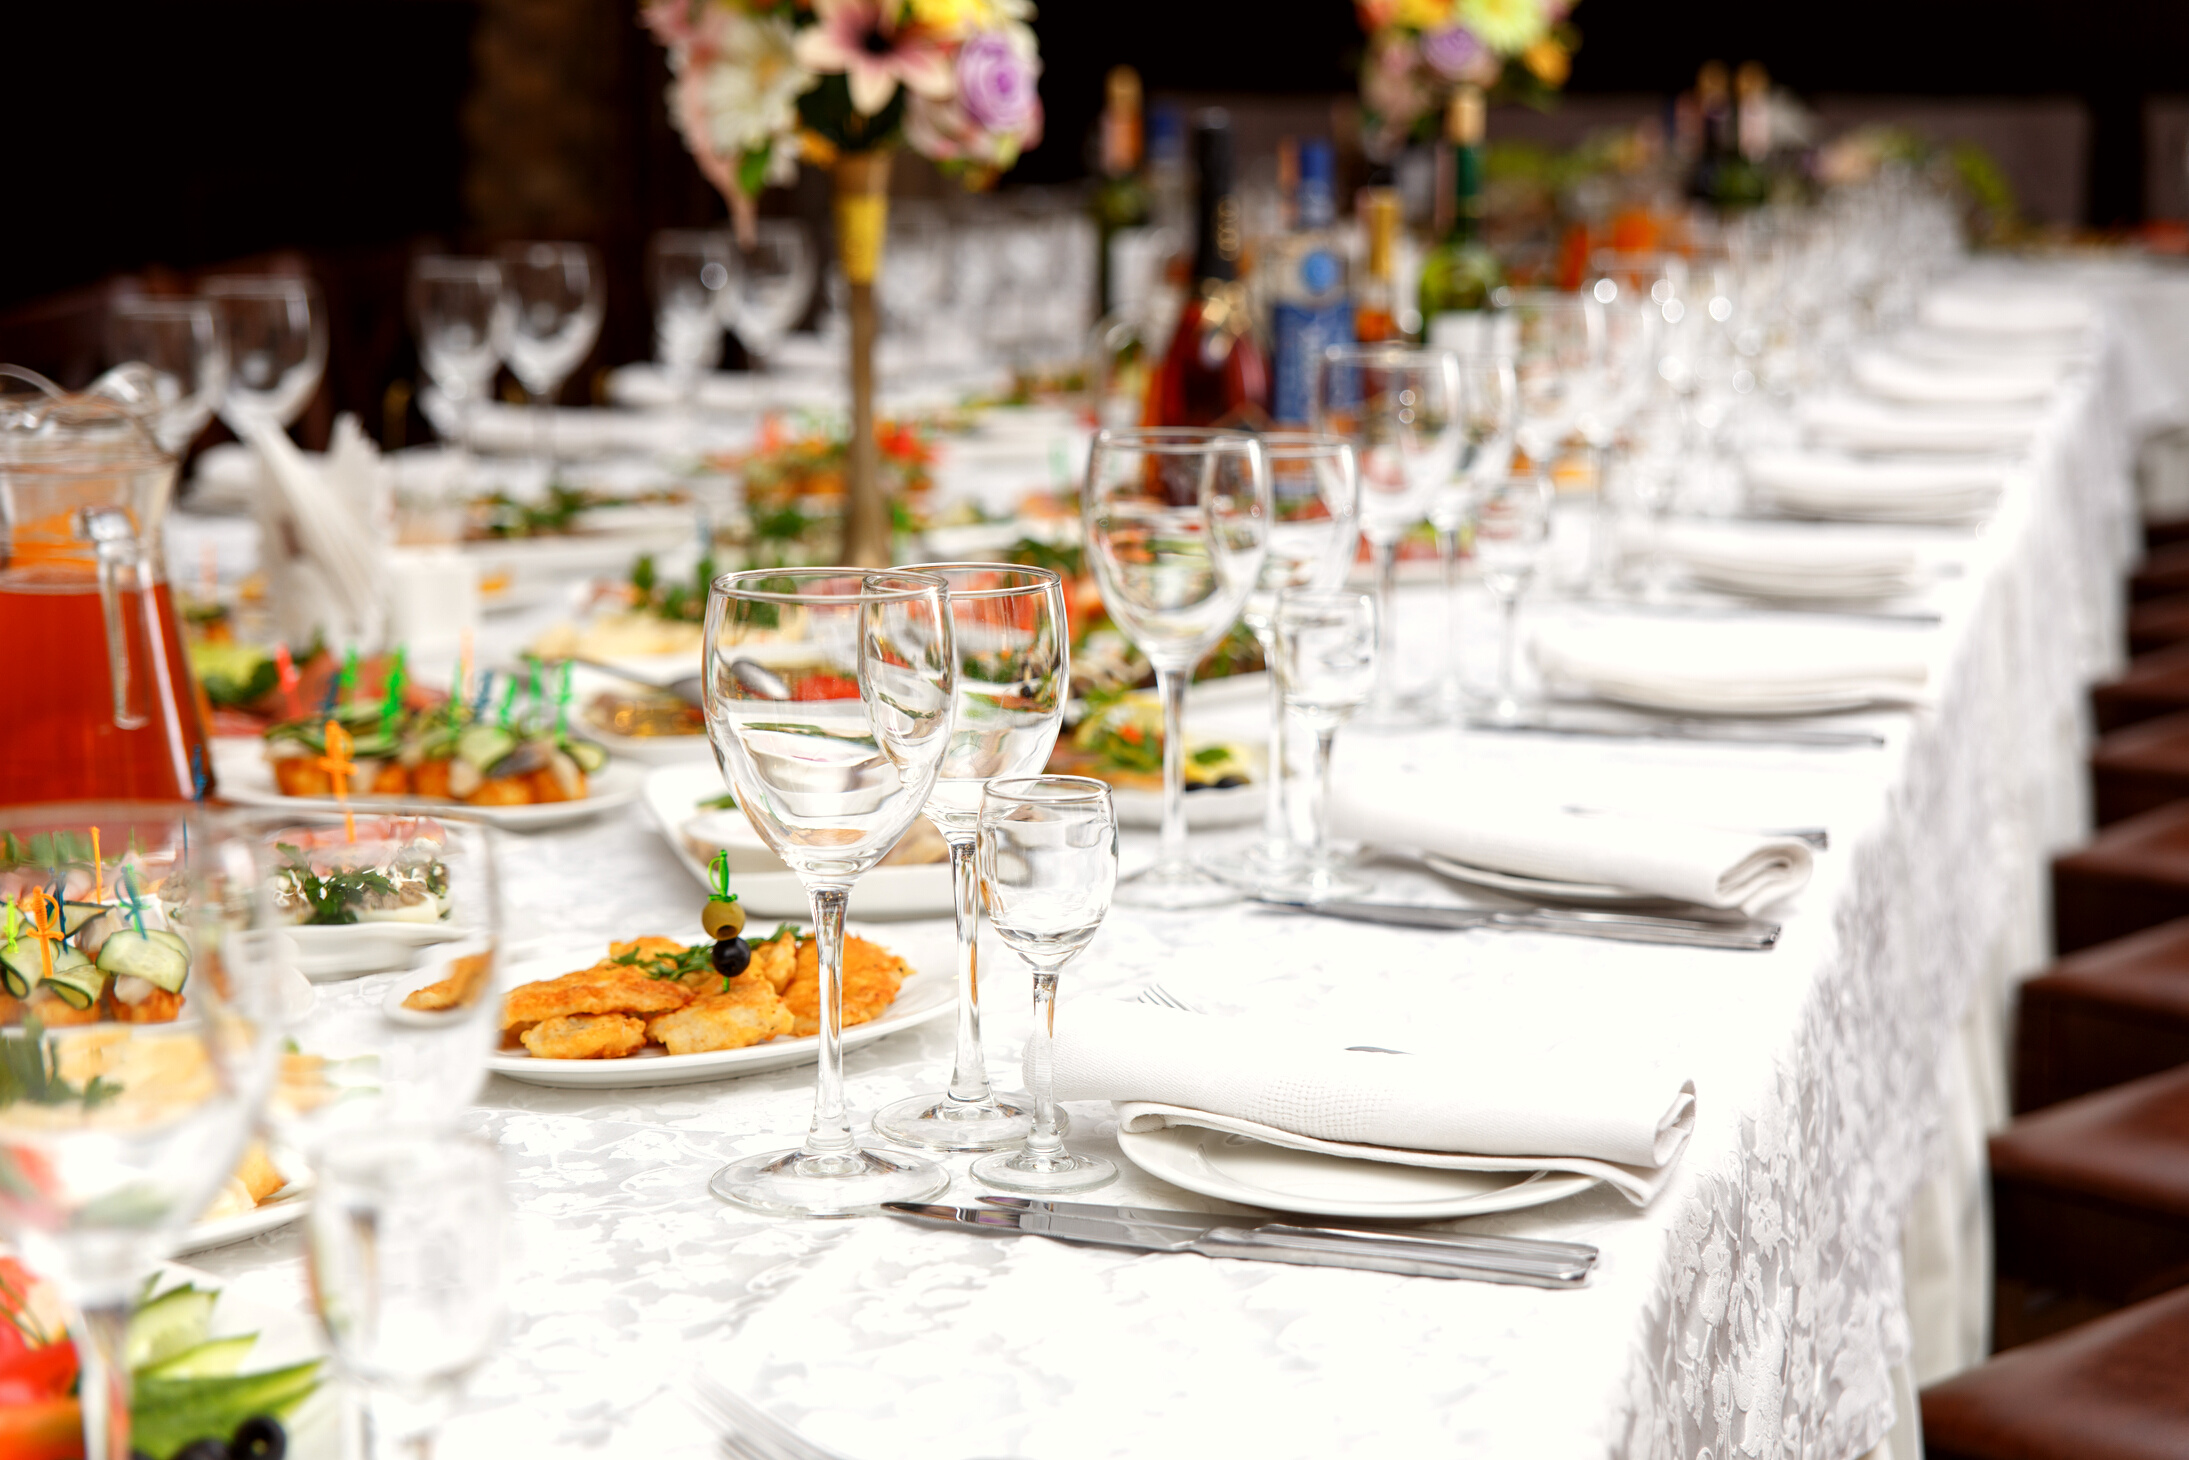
<point>1756,1308</point>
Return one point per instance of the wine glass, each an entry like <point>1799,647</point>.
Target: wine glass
<point>276,329</point>
<point>456,307</point>
<point>1014,674</point>
<point>1489,395</point>
<point>179,341</point>
<point>829,700</point>
<point>1326,665</point>
<point>1176,524</point>
<point>774,283</point>
<point>1314,531</point>
<point>1512,524</point>
<point>1048,862</point>
<point>689,271</point>
<point>406,1249</point>
<point>1401,409</point>
<point>139,1046</point>
<point>553,295</point>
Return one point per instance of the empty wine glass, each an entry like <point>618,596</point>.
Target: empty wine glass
<point>1314,530</point>
<point>1489,395</point>
<point>689,271</point>
<point>1326,665</point>
<point>179,341</point>
<point>1401,409</point>
<point>456,307</point>
<point>1177,526</point>
<point>774,284</point>
<point>553,294</point>
<point>276,329</point>
<point>829,701</point>
<point>406,1251</point>
<point>1014,675</point>
<point>1048,863</point>
<point>151,921</point>
<point>1512,524</point>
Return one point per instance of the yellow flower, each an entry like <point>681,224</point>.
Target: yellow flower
<point>1549,61</point>
<point>1424,14</point>
<point>1507,27</point>
<point>955,17</point>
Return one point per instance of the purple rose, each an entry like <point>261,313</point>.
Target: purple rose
<point>995,85</point>
<point>1451,51</point>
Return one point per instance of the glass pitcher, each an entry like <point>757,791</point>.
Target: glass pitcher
<point>101,702</point>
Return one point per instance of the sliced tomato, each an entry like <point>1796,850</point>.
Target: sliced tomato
<point>51,1429</point>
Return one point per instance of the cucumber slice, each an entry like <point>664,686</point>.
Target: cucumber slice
<point>483,745</point>
<point>75,914</point>
<point>75,978</point>
<point>168,1414</point>
<point>173,940</point>
<point>173,1322</point>
<point>216,1358</point>
<point>136,954</point>
<point>590,757</point>
<point>22,967</point>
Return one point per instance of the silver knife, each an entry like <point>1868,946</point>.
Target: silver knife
<point>1529,1249</point>
<point>1719,732</point>
<point>1751,937</point>
<point>1306,1249</point>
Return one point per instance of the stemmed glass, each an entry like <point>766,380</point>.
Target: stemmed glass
<point>1314,530</point>
<point>690,271</point>
<point>406,1254</point>
<point>1014,675</point>
<point>114,1135</point>
<point>1512,524</point>
<point>456,307</point>
<point>1489,394</point>
<point>1326,664</point>
<point>774,284</point>
<point>1048,861</point>
<point>276,330</point>
<point>178,341</point>
<point>1401,409</point>
<point>1177,525</point>
<point>553,296</point>
<point>829,700</point>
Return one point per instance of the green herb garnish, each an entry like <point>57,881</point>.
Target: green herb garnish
<point>331,897</point>
<point>30,1070</point>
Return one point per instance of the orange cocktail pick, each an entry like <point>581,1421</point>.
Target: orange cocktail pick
<point>339,768</point>
<point>45,926</point>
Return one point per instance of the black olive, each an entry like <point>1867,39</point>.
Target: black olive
<point>259,1438</point>
<point>1226,783</point>
<point>731,955</point>
<point>203,1450</point>
<point>1192,786</point>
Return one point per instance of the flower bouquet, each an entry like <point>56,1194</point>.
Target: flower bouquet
<point>1422,51</point>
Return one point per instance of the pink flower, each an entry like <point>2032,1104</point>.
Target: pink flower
<point>1452,52</point>
<point>996,82</point>
<point>941,131</point>
<point>864,41</point>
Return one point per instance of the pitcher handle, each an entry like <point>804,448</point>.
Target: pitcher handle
<point>114,539</point>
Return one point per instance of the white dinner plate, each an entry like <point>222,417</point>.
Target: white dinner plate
<point>324,954</point>
<point>278,1210</point>
<point>1542,889</point>
<point>1239,1168</point>
<point>929,993</point>
<point>246,780</point>
<point>672,796</point>
<point>587,682</point>
<point>1231,806</point>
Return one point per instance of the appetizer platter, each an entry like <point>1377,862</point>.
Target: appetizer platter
<point>1119,739</point>
<point>638,720</point>
<point>267,1190</point>
<point>364,895</point>
<point>99,947</point>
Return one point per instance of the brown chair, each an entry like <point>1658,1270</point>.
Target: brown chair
<point>2163,572</point>
<point>2159,623</point>
<point>2113,1389</point>
<point>2091,1196</point>
<point>2103,1017</point>
<point>2140,768</point>
<point>2133,875</point>
<point>2154,684</point>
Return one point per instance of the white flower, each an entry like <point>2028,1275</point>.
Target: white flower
<point>738,90</point>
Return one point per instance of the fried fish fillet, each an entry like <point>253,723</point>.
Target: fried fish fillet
<point>585,1037</point>
<point>466,979</point>
<point>872,976</point>
<point>605,988</point>
<point>776,961</point>
<point>747,1012</point>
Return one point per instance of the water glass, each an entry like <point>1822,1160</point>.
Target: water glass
<point>689,273</point>
<point>1177,526</point>
<point>1014,675</point>
<point>456,308</point>
<point>1489,395</point>
<point>1326,667</point>
<point>179,342</point>
<point>552,293</point>
<point>830,697</point>
<point>276,328</point>
<point>406,1250</point>
<point>1512,526</point>
<point>773,285</point>
<point>1048,863</point>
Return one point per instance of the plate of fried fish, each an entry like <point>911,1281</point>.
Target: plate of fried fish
<point>658,1011</point>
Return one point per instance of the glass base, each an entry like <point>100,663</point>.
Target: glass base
<point>1322,882</point>
<point>942,1124</point>
<point>1066,1172</point>
<point>1174,885</point>
<point>851,1183</point>
<point>1407,712</point>
<point>1263,859</point>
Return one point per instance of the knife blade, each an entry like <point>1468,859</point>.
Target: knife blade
<point>1305,1249</point>
<point>1720,732</point>
<point>1574,922</point>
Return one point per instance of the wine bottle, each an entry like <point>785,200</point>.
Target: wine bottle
<point>1214,372</point>
<point>1309,310</point>
<point>1120,199</point>
<point>1460,273</point>
<point>1712,105</point>
<point>1375,302</point>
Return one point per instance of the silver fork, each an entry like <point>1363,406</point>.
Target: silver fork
<point>750,1432</point>
<point>1163,998</point>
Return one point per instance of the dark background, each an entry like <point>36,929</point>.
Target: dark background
<point>342,135</point>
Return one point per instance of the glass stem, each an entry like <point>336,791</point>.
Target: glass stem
<point>969,1071</point>
<point>543,431</point>
<point>1387,622</point>
<point>1170,685</point>
<point>1507,635</point>
<point>1326,735</point>
<point>830,1134</point>
<point>1600,525</point>
<point>1276,817</point>
<point>390,1430</point>
<point>98,1353</point>
<point>1448,569</point>
<point>1044,1144</point>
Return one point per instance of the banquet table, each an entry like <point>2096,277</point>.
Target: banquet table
<point>1818,1250</point>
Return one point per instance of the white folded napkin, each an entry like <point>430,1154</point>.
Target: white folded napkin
<point>1895,377</point>
<point>1818,484</point>
<point>1704,865</point>
<point>1457,1100</point>
<point>1804,564</point>
<point>1733,667</point>
<point>2004,309</point>
<point>1854,424</point>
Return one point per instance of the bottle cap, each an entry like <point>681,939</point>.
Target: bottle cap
<point>1466,119</point>
<point>1317,174</point>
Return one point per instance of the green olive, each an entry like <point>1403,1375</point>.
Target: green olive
<point>723,918</point>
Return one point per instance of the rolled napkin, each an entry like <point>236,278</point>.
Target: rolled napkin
<point>1807,563</point>
<point>1504,1104</point>
<point>1895,377</point>
<point>2003,309</point>
<point>1817,484</point>
<point>1853,424</point>
<point>1733,667</point>
<point>1704,865</point>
